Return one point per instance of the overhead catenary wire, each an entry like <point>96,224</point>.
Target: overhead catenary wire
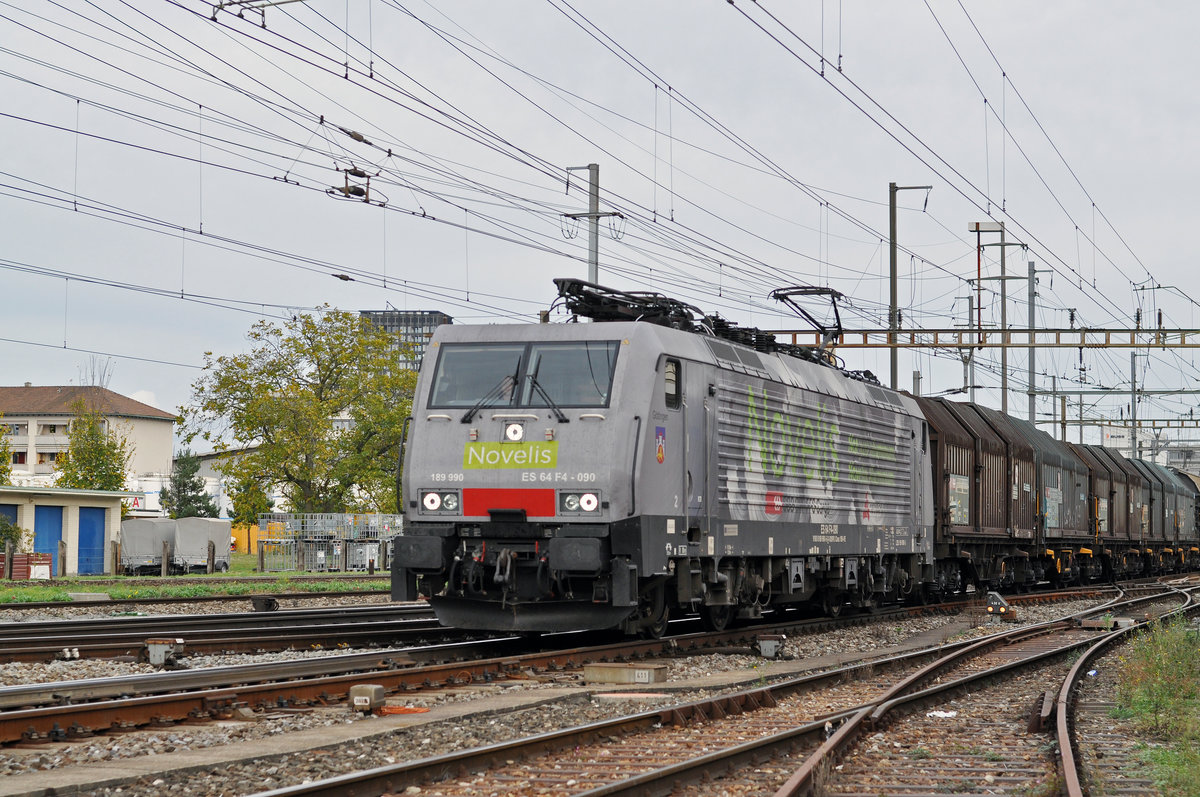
<point>672,249</point>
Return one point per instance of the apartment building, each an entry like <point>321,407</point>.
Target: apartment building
<point>35,419</point>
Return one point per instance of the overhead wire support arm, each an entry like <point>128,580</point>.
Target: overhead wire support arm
<point>593,216</point>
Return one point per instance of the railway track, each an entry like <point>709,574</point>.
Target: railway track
<point>1098,758</point>
<point>990,744</point>
<point>106,602</point>
<point>128,705</point>
<point>215,633</point>
<point>74,709</point>
<point>686,749</point>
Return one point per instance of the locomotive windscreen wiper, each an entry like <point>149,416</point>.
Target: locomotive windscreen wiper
<point>507,382</point>
<point>562,418</point>
<point>536,385</point>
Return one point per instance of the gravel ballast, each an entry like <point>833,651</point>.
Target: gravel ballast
<point>458,718</point>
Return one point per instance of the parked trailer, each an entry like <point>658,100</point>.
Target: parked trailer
<point>142,544</point>
<point>192,536</point>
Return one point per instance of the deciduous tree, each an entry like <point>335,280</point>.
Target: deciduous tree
<point>96,457</point>
<point>250,500</point>
<point>318,404</point>
<point>5,455</point>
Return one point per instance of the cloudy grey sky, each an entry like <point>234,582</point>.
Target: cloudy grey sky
<point>164,177</point>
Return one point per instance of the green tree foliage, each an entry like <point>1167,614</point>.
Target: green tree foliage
<point>185,495</point>
<point>280,400</point>
<point>250,500</point>
<point>5,455</point>
<point>10,532</point>
<point>96,457</point>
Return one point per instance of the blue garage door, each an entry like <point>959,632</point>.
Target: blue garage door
<point>91,540</point>
<point>9,511</point>
<point>47,532</point>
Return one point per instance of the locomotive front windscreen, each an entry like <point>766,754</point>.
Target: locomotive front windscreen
<point>574,374</point>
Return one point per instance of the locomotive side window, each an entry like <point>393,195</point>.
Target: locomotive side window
<point>673,389</point>
<point>575,374</point>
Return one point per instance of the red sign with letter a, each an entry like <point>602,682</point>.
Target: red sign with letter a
<point>774,503</point>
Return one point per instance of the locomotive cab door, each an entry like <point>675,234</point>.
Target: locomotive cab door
<point>695,456</point>
<point>664,494</point>
<point>675,480</point>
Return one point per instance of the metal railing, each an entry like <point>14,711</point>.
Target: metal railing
<point>326,542</point>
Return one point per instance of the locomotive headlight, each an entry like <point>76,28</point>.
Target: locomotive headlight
<point>432,501</point>
<point>515,432</point>
<point>450,502</point>
<point>583,503</point>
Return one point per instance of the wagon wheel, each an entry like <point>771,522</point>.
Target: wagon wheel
<point>716,618</point>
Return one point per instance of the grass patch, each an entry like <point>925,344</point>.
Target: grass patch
<point>38,593</point>
<point>1160,692</point>
<point>241,565</point>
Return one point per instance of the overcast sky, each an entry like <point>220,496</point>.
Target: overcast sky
<point>165,176</point>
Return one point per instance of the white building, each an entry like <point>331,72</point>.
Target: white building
<point>35,420</point>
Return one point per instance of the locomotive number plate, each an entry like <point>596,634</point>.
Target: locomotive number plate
<point>556,476</point>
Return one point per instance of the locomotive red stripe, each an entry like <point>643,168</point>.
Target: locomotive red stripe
<point>477,501</point>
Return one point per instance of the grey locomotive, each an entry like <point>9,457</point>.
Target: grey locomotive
<point>612,474</point>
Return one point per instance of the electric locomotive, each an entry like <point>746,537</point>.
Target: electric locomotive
<point>657,461</point>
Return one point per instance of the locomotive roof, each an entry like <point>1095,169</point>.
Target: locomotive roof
<point>654,339</point>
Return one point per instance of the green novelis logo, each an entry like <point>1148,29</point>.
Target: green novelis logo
<point>813,447</point>
<point>805,445</point>
<point>510,455</point>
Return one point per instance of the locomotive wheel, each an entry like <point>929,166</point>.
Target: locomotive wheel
<point>656,612</point>
<point>832,605</point>
<point>658,627</point>
<point>716,618</point>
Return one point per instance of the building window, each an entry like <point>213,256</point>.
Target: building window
<point>18,457</point>
<point>47,457</point>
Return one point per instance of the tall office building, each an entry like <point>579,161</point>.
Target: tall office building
<point>412,328</point>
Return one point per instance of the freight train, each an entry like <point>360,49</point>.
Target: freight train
<point>659,462</point>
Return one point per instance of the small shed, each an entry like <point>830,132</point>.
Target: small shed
<point>87,521</point>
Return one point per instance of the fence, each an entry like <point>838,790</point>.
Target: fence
<point>326,542</point>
